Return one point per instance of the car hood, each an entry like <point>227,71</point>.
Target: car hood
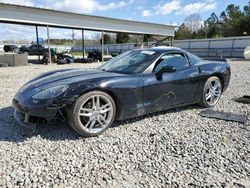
<point>70,76</point>
<point>63,77</point>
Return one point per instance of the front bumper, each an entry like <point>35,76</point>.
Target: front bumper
<point>23,120</point>
<point>29,116</point>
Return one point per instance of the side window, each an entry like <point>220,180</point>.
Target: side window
<point>177,60</point>
<point>194,59</point>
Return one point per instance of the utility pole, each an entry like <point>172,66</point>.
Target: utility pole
<point>73,39</point>
<point>48,38</point>
<point>102,47</point>
<point>37,43</point>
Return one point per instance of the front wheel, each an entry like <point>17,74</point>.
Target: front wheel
<point>92,113</point>
<point>211,92</point>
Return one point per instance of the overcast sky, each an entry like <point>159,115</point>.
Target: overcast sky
<point>162,11</point>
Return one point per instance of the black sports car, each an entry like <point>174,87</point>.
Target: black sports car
<point>132,84</point>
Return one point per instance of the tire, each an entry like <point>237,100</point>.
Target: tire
<point>90,60</point>
<point>211,92</point>
<point>90,119</point>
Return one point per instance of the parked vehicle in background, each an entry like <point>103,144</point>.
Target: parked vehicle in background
<point>95,56</point>
<point>247,53</point>
<point>114,54</point>
<point>24,48</point>
<point>34,49</point>
<point>11,48</point>
<point>64,58</point>
<point>59,58</point>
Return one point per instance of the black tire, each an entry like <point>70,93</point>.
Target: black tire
<point>90,60</point>
<point>203,101</point>
<point>74,120</point>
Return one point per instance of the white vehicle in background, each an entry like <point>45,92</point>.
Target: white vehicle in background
<point>1,48</point>
<point>247,53</point>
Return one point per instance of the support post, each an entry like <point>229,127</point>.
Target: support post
<point>172,41</point>
<point>142,43</point>
<point>37,43</point>
<point>83,44</point>
<point>232,48</point>
<point>73,39</point>
<point>48,44</point>
<point>102,47</point>
<point>208,49</point>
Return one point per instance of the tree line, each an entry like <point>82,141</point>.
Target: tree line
<point>233,21</point>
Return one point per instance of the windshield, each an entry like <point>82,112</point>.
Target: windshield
<point>132,62</point>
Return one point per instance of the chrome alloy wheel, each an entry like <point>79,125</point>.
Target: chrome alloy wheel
<point>213,92</point>
<point>96,113</point>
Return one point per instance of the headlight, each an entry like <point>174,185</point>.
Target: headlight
<point>51,92</point>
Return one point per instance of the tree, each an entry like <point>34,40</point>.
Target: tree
<point>106,39</point>
<point>147,38</point>
<point>232,21</point>
<point>122,38</point>
<point>193,22</point>
<point>200,34</point>
<point>213,26</point>
<point>183,33</point>
<point>245,21</point>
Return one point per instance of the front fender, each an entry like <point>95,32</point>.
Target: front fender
<point>76,90</point>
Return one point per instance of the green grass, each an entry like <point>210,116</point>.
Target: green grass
<point>78,53</point>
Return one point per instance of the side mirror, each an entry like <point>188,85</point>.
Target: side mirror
<point>165,69</point>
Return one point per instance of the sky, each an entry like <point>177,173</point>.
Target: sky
<point>161,11</point>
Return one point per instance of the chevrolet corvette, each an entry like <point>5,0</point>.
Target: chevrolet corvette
<point>133,84</point>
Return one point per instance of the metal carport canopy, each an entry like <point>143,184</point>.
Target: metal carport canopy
<point>46,17</point>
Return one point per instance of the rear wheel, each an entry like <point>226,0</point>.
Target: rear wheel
<point>211,92</point>
<point>92,113</point>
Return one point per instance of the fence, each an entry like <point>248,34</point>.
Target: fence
<point>232,47</point>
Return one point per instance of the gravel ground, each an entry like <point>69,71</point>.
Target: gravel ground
<point>175,148</point>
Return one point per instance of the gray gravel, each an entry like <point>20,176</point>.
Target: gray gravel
<point>172,148</point>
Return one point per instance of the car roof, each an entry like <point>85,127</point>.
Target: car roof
<point>163,49</point>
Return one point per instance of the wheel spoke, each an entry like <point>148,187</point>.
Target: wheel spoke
<point>85,112</point>
<point>93,102</point>
<point>217,93</point>
<point>208,96</point>
<point>212,98</point>
<point>92,124</point>
<point>216,84</point>
<point>87,124</point>
<point>101,123</point>
<point>104,123</point>
<point>106,108</point>
<point>97,101</point>
<point>210,86</point>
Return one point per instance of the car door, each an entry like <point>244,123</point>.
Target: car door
<point>173,89</point>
